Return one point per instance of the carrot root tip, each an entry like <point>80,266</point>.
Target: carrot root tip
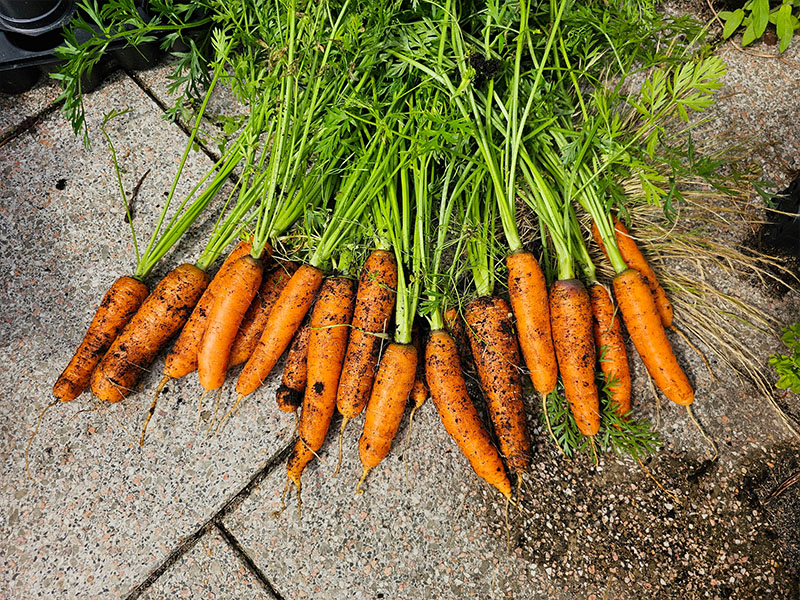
<point>229,413</point>
<point>341,436</point>
<point>152,410</point>
<point>359,489</point>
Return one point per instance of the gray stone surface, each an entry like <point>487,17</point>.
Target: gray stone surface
<point>15,108</point>
<point>210,570</point>
<point>102,513</point>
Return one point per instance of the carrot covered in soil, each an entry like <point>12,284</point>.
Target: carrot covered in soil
<point>328,331</point>
<point>160,317</point>
<point>527,291</point>
<point>295,373</point>
<point>634,258</point>
<point>455,326</point>
<point>607,326</point>
<point>119,304</point>
<point>458,413</point>
<point>256,317</point>
<point>496,355</point>
<point>571,317</point>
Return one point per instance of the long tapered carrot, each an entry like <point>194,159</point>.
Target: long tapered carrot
<point>458,414</point>
<point>295,373</point>
<point>497,360</point>
<point>374,303</point>
<point>182,359</point>
<point>328,331</point>
<point>573,337</point>
<point>396,374</point>
<point>160,317</point>
<point>119,304</point>
<point>284,320</point>
<point>256,317</point>
<point>231,301</point>
<point>607,326</point>
<point>644,325</point>
<point>635,260</point>
<point>527,291</point>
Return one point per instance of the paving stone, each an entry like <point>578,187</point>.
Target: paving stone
<point>15,108</point>
<point>103,512</point>
<point>210,570</point>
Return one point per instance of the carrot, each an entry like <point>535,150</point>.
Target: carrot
<point>455,326</point>
<point>182,359</point>
<point>644,325</point>
<point>327,344</point>
<point>119,304</point>
<point>610,344</point>
<point>496,355</point>
<point>527,291</point>
<point>295,373</point>
<point>396,374</point>
<point>236,293</point>
<point>373,311</point>
<point>419,392</point>
<point>160,317</point>
<point>571,318</point>
<point>255,319</point>
<point>458,414</point>
<point>284,320</point>
<point>635,260</point>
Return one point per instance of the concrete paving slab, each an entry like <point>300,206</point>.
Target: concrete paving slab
<point>103,513</point>
<point>210,570</point>
<point>15,108</point>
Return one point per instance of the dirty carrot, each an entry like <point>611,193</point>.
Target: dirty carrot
<point>329,328</point>
<point>571,317</point>
<point>607,326</point>
<point>160,317</point>
<point>119,304</point>
<point>458,414</point>
<point>295,373</point>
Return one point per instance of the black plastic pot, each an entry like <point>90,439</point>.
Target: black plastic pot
<point>34,17</point>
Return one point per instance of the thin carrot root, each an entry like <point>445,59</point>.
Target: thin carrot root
<point>33,435</point>
<point>655,398</point>
<point>405,448</point>
<point>696,351</point>
<point>702,431</point>
<point>200,407</point>
<point>341,436</point>
<point>229,413</point>
<point>594,451</point>
<point>549,427</point>
<point>657,482</point>
<point>508,522</point>
<point>278,513</point>
<point>160,387</point>
<point>216,410</point>
<point>359,489</point>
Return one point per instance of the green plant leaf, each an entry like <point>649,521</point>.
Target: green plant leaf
<point>760,17</point>
<point>783,25</point>
<point>749,35</point>
<point>732,22</point>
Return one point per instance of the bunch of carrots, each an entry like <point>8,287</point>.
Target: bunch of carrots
<point>366,214</point>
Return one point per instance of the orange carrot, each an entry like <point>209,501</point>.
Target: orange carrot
<point>327,344</point>
<point>284,320</point>
<point>295,373</point>
<point>527,290</point>
<point>571,318</point>
<point>160,317</point>
<point>496,355</point>
<point>644,325</point>
<point>634,258</point>
<point>120,303</point>
<point>607,326</point>
<point>374,304</point>
<point>231,301</point>
<point>255,319</point>
<point>457,329</point>
<point>419,392</point>
<point>458,414</point>
<point>396,374</point>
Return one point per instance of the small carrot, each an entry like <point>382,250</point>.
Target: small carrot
<point>497,360</point>
<point>458,414</point>
<point>635,260</point>
<point>643,322</point>
<point>607,326</point>
<point>160,317</point>
<point>527,291</point>
<point>295,373</point>
<point>231,301</point>
<point>255,319</point>
<point>419,392</point>
<point>329,328</point>
<point>284,321</point>
<point>387,402</point>
<point>119,304</point>
<point>571,318</point>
